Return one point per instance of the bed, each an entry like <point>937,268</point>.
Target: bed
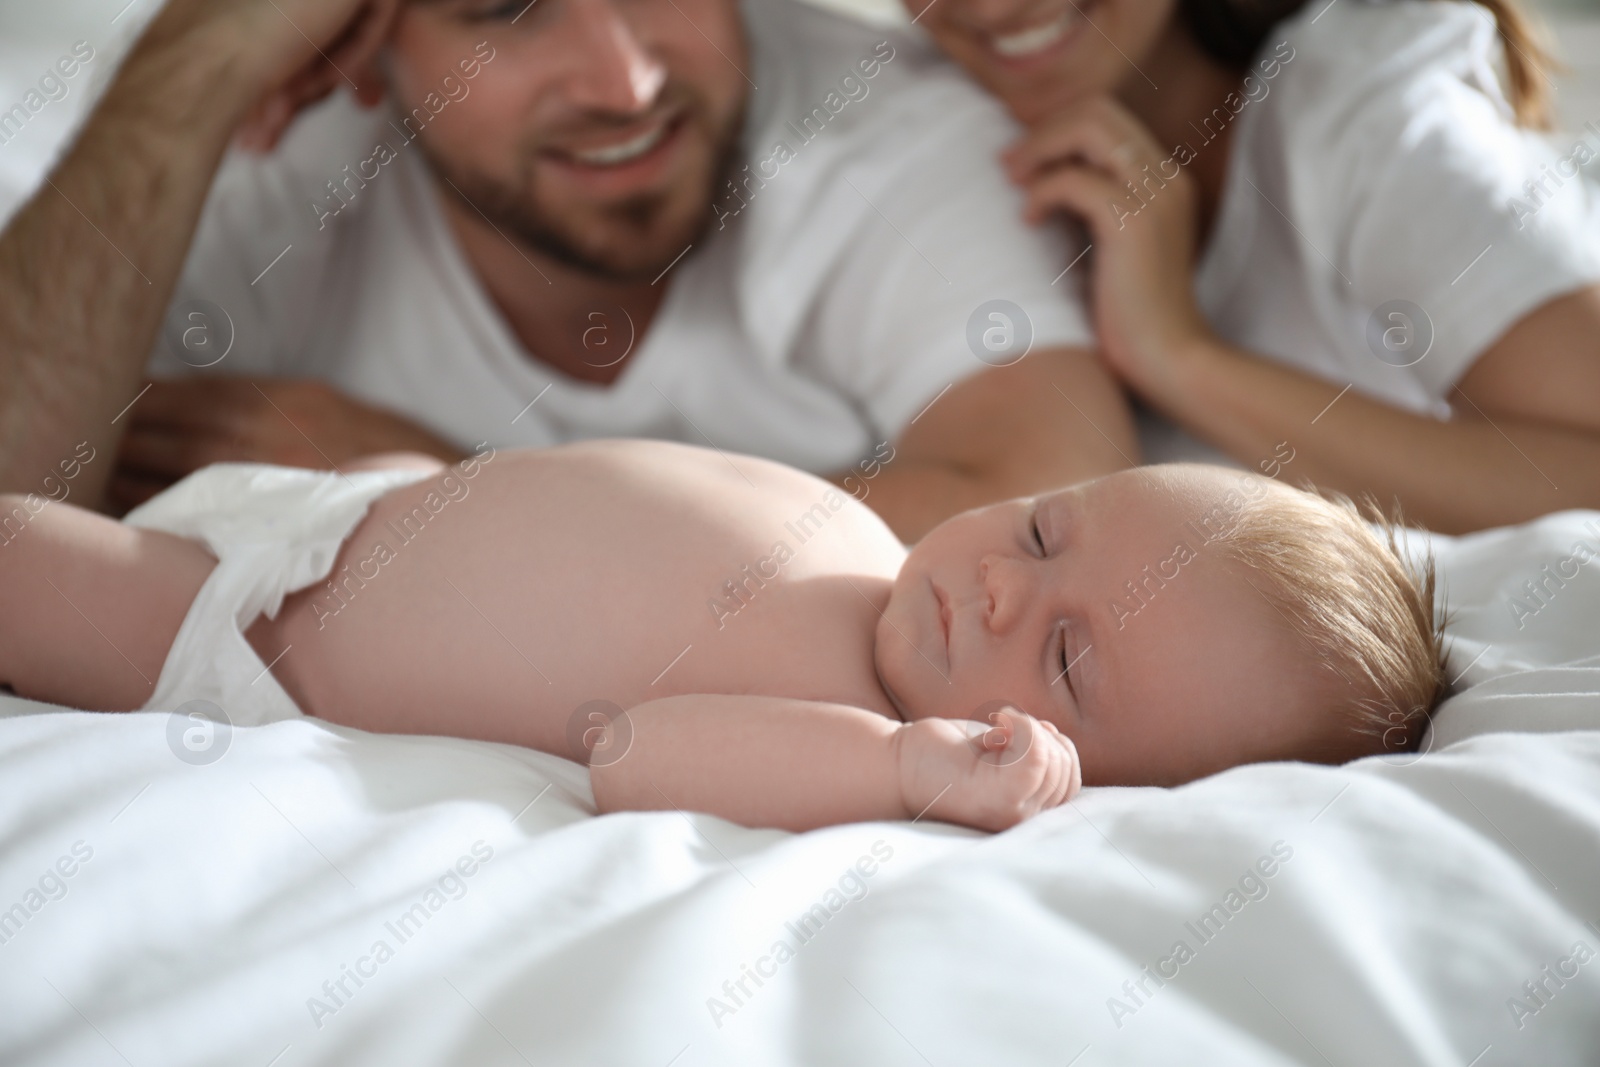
<point>301,893</point>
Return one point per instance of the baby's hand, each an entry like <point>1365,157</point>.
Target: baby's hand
<point>1016,769</point>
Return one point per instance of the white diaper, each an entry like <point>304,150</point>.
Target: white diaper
<point>273,530</point>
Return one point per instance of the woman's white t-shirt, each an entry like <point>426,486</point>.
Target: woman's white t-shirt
<point>1377,227</point>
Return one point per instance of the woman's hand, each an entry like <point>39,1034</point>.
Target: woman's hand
<point>1011,772</point>
<point>1088,161</point>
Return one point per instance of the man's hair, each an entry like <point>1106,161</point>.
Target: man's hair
<point>1337,574</point>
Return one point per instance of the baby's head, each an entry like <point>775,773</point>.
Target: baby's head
<point>1173,621</point>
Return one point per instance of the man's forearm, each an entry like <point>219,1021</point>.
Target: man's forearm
<point>89,264</point>
<point>1052,419</point>
<point>759,761</point>
<point>1456,476</point>
<point>914,496</point>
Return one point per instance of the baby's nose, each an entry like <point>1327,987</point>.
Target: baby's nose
<point>1005,584</point>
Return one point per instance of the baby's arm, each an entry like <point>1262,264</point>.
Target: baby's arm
<point>798,765</point>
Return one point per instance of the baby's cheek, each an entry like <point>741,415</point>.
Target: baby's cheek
<point>908,699</point>
<point>916,690</point>
<point>974,702</point>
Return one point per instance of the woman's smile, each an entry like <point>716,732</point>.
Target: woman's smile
<point>1035,40</point>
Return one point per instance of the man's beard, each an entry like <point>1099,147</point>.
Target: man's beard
<point>638,250</point>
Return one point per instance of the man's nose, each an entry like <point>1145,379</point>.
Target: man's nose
<point>1007,583</point>
<point>612,71</point>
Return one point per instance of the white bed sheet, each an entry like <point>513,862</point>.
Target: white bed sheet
<point>1410,901</point>
<point>216,900</point>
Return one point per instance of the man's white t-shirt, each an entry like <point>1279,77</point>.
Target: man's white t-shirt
<point>1376,174</point>
<point>809,325</point>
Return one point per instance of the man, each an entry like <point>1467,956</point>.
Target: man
<point>784,235</point>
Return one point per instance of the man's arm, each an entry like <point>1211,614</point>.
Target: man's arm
<point>89,264</point>
<point>799,764</point>
<point>182,425</point>
<point>1054,418</point>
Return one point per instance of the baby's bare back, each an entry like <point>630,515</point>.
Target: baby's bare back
<point>495,605</point>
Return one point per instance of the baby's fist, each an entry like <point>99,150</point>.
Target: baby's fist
<point>1017,768</point>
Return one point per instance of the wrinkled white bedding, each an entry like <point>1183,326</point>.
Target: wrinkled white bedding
<point>214,914</point>
<point>321,895</point>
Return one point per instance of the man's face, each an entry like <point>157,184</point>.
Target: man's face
<point>595,131</point>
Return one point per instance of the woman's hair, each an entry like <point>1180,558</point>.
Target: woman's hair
<point>1232,31</point>
<point>1337,576</point>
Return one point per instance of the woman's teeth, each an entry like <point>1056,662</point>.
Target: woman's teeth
<point>611,155</point>
<point>1037,39</point>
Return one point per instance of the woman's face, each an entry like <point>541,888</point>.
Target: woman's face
<point>1039,56</point>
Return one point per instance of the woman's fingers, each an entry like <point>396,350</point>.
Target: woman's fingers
<point>1077,142</point>
<point>1080,191</point>
<point>1099,132</point>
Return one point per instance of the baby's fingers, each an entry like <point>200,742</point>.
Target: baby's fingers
<point>1071,782</point>
<point>1059,774</point>
<point>999,735</point>
<point>1012,736</point>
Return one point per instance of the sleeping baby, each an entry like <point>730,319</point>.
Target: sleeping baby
<point>729,635</point>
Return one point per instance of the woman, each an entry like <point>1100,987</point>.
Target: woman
<point>1322,234</point>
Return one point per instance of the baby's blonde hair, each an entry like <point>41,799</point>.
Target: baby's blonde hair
<point>1347,592</point>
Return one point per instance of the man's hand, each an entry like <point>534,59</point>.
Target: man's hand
<point>179,426</point>
<point>1017,768</point>
<point>111,229</point>
<point>301,50</point>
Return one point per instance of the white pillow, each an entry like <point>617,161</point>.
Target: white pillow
<point>1523,627</point>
